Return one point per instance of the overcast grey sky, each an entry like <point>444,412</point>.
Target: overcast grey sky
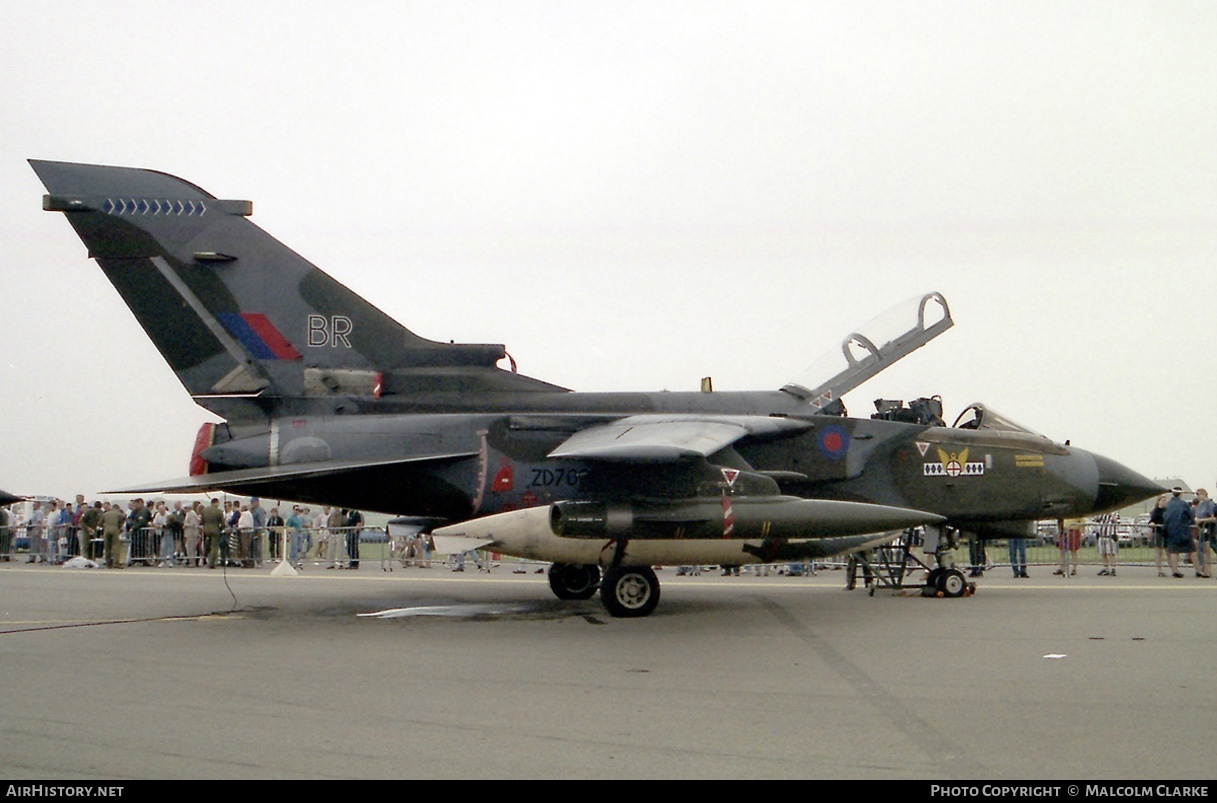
<point>634,195</point>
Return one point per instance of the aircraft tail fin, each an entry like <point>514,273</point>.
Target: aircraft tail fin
<point>236,313</point>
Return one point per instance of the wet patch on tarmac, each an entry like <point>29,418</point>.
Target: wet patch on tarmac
<point>488,612</point>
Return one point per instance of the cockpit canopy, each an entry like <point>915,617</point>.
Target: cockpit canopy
<point>899,332</point>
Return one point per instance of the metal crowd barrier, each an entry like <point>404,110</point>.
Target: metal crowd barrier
<point>327,547</point>
<point>147,545</point>
<point>332,547</point>
<point>52,544</point>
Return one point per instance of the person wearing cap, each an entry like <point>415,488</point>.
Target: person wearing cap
<point>295,533</point>
<point>213,520</point>
<point>112,520</point>
<point>1177,522</point>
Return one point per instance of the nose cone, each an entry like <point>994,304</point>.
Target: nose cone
<point>1120,486</point>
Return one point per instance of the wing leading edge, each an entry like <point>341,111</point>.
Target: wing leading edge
<point>664,438</point>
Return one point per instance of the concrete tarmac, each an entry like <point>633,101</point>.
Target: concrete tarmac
<point>191,673</point>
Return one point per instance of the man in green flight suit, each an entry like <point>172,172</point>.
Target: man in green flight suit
<point>213,529</point>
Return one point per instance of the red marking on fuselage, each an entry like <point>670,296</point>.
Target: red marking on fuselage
<point>504,478</point>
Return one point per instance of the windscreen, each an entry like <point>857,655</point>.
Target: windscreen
<point>977,416</point>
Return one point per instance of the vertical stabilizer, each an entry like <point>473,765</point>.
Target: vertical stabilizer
<point>235,312</point>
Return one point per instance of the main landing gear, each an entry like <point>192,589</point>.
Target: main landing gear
<point>629,591</point>
<point>573,582</point>
<point>626,591</point>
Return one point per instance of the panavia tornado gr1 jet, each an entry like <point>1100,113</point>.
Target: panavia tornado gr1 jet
<point>326,399</point>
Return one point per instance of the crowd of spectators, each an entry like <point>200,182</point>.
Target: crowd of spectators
<point>1179,531</point>
<point>245,534</point>
<point>161,534</point>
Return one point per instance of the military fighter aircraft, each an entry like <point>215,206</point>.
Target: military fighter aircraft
<point>326,399</point>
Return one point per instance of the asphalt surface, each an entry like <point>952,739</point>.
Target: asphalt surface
<point>190,673</point>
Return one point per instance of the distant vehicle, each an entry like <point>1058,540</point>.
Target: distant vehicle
<point>1090,533</point>
<point>1046,532</point>
<point>1128,533</point>
<point>1140,531</point>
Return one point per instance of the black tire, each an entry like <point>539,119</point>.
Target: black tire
<point>629,591</point>
<point>931,587</point>
<point>574,582</point>
<point>952,583</point>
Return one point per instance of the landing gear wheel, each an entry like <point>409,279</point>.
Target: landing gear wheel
<point>574,581</point>
<point>952,583</point>
<point>629,591</point>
